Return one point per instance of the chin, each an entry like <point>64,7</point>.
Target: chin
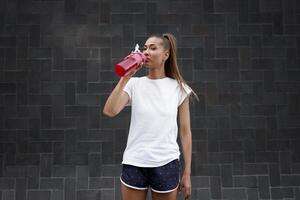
<point>147,66</point>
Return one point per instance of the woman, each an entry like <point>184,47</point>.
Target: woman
<point>151,157</point>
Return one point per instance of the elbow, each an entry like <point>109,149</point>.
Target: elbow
<point>109,113</point>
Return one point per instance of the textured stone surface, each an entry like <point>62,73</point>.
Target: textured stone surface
<point>241,57</point>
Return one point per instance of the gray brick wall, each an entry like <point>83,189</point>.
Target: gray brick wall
<point>242,57</point>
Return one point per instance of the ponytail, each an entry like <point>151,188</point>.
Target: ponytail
<point>171,65</point>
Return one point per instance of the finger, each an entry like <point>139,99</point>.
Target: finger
<point>188,192</point>
<point>180,187</point>
<point>187,196</point>
<point>131,73</point>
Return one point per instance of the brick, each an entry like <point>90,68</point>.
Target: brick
<point>46,117</point>
<point>238,41</point>
<point>33,177</point>
<point>57,195</point>
<point>203,29</point>
<point>75,64</point>
<point>27,159</point>
<point>101,183</point>
<point>52,183</point>
<point>107,194</point>
<point>226,6</point>
<point>267,156</point>
<point>6,41</point>
<point>76,159</point>
<point>102,88</point>
<point>252,193</point>
<point>69,93</point>
<point>10,58</point>
<point>58,153</point>
<point>88,194</point>
<point>21,186</point>
<point>46,163</point>
<point>263,187</point>
<point>215,188</point>
<point>255,169</point>
<point>28,19</point>
<point>40,147</point>
<point>122,18</point>
<point>34,36</point>
<point>270,6</point>
<point>75,111</point>
<point>231,146</point>
<point>208,6</point>
<point>69,189</point>
<point>94,164</point>
<point>243,8</point>
<point>277,193</point>
<point>200,182</point>
<point>89,147</point>
<point>10,195</point>
<point>87,53</point>
<point>260,18</point>
<point>39,53</point>
<point>226,176</point>
<point>287,180</point>
<point>226,53</point>
<point>234,193</point>
<point>82,82</point>
<point>245,181</point>
<point>105,9</point>
<point>75,19</point>
<point>249,29</point>
<point>207,170</point>
<point>7,183</point>
<point>16,123</point>
<point>49,88</point>
<point>112,170</point>
<point>7,88</point>
<point>52,42</point>
<point>67,123</point>
<point>94,41</point>
<point>214,19</point>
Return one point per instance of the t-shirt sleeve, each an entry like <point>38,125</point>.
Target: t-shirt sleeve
<point>129,89</point>
<point>186,91</point>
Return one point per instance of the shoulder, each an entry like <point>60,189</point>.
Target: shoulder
<point>187,89</point>
<point>184,87</point>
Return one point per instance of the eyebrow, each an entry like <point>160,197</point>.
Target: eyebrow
<point>149,45</point>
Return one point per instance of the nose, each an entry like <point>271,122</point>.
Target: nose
<point>145,52</point>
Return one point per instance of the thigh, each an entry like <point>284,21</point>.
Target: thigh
<point>165,179</point>
<point>133,194</point>
<point>165,196</point>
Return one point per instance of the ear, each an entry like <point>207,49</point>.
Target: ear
<point>167,55</point>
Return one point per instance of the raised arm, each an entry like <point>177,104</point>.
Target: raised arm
<point>117,99</point>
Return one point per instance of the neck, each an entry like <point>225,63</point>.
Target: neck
<point>156,73</point>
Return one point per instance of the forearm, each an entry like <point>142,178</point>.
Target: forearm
<point>112,104</point>
<point>186,143</point>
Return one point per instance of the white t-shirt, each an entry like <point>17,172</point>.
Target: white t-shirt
<point>152,138</point>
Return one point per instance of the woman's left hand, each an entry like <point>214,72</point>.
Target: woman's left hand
<point>185,184</point>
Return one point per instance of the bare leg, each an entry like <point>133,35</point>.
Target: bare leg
<point>165,196</point>
<point>133,194</point>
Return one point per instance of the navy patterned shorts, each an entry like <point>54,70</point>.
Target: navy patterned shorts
<point>160,179</point>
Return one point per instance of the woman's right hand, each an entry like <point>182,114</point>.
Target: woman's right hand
<point>131,73</point>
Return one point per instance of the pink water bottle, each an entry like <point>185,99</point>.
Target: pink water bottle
<point>131,62</point>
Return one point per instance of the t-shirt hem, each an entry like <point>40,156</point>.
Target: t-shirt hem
<point>142,164</point>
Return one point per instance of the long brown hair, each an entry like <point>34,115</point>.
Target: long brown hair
<point>171,65</point>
